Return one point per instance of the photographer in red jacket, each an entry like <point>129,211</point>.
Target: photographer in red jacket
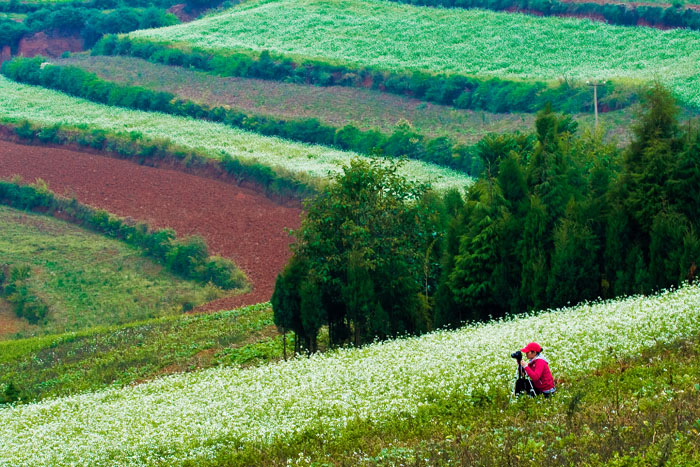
<point>538,369</point>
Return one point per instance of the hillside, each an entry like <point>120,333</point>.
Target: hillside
<point>178,420</point>
<point>86,279</point>
<point>413,190</point>
<point>139,351</point>
<point>235,222</point>
<point>471,42</point>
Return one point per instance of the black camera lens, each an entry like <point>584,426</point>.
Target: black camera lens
<point>518,355</point>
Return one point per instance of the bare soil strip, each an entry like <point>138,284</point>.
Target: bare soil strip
<point>236,222</point>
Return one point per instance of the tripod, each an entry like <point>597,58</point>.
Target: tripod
<point>522,385</point>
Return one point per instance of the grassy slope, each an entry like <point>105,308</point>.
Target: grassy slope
<point>64,364</point>
<point>304,161</point>
<point>335,106</point>
<point>87,279</point>
<point>641,411</point>
<point>399,37</point>
<point>194,418</point>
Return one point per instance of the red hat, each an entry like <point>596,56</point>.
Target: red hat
<point>532,346</point>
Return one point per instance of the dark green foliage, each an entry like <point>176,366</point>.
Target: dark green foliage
<point>362,261</point>
<point>554,219</point>
<point>187,257</point>
<point>85,18</point>
<point>16,6</point>
<point>10,394</point>
<point>15,290</point>
<point>11,32</point>
<point>674,15</point>
<point>568,219</point>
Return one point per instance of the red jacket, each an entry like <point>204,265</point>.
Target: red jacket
<point>538,371</point>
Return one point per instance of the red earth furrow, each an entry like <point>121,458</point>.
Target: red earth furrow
<point>237,223</point>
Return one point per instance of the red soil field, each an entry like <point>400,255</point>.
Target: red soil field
<point>237,223</point>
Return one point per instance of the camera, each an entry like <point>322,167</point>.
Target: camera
<point>518,355</point>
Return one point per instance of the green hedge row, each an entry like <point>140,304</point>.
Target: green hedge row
<point>89,22</point>
<point>274,183</point>
<point>404,141</point>
<point>188,257</point>
<point>16,6</point>
<point>13,287</point>
<point>674,16</point>
<point>493,94</point>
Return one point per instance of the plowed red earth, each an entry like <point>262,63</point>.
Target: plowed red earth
<point>237,223</point>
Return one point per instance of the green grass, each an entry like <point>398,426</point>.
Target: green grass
<point>642,411</point>
<point>87,279</point>
<point>396,37</point>
<point>89,360</point>
<point>335,106</point>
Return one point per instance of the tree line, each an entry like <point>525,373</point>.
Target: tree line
<point>554,219</point>
<point>676,15</point>
<point>91,23</point>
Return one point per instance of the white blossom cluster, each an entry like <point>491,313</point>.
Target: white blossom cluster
<point>45,106</point>
<point>398,37</point>
<point>194,415</point>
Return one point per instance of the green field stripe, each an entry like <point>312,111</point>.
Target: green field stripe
<point>302,160</point>
<point>396,37</point>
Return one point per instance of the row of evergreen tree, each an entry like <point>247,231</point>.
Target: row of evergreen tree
<point>554,219</point>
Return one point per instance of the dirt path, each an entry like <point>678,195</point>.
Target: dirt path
<point>236,223</point>
<point>9,322</point>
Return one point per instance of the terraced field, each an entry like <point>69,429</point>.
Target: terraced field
<point>303,161</point>
<point>236,223</point>
<point>87,279</point>
<point>474,42</point>
<point>335,106</point>
<point>95,358</point>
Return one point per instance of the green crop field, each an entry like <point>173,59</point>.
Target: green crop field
<point>390,36</point>
<point>335,106</point>
<point>193,418</point>
<point>87,279</point>
<point>63,364</point>
<point>50,107</point>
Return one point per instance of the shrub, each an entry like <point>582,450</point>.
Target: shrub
<point>24,130</point>
<point>26,305</point>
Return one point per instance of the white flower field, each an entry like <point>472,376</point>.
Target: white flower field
<point>192,416</point>
<point>391,36</point>
<point>45,106</point>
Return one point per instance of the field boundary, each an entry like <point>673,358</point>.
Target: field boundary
<point>456,90</point>
<point>617,13</point>
<point>284,190</point>
<point>187,257</point>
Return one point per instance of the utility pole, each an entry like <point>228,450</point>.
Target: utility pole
<point>595,85</point>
